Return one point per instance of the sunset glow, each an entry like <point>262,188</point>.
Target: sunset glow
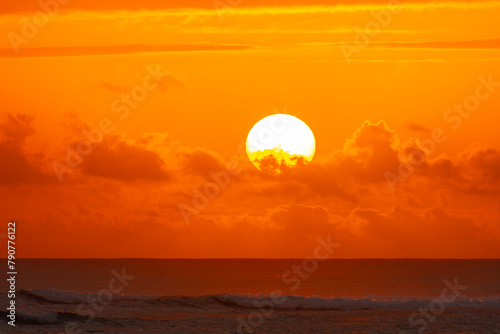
<point>129,125</point>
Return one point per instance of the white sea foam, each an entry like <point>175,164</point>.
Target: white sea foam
<point>323,303</point>
<point>70,297</point>
<point>263,300</point>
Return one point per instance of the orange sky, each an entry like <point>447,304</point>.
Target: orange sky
<point>218,72</point>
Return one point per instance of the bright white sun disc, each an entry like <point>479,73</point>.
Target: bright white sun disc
<point>282,136</point>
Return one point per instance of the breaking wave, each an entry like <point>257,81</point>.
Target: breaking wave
<point>257,301</point>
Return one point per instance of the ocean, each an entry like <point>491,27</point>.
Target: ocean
<point>255,296</point>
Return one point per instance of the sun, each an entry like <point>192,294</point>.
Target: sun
<point>280,143</point>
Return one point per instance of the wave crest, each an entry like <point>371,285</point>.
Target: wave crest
<point>257,301</point>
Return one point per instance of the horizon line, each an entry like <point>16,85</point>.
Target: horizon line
<point>248,258</point>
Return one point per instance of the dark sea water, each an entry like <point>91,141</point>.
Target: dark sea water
<point>252,295</point>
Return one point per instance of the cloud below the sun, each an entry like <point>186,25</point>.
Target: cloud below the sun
<point>128,185</point>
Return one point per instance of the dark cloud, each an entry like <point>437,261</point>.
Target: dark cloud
<point>474,170</point>
<point>202,162</point>
<point>16,166</point>
<point>120,160</point>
